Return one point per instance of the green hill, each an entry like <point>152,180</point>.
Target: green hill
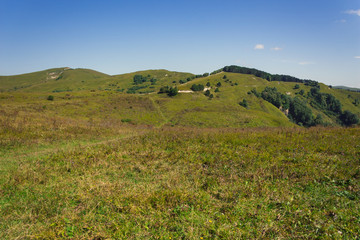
<point>229,101</point>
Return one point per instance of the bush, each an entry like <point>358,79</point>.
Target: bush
<point>217,90</point>
<point>348,118</point>
<point>50,98</point>
<point>207,93</point>
<point>244,103</point>
<point>169,90</point>
<point>173,91</point>
<point>218,84</point>
<point>197,87</point>
<point>297,86</point>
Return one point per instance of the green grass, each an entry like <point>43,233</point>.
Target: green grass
<point>188,183</point>
<point>109,165</point>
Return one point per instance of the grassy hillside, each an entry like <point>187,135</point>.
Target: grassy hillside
<point>58,80</point>
<point>71,80</point>
<point>90,94</point>
<point>95,162</point>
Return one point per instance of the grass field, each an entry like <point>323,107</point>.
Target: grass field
<point>75,180</point>
<point>94,162</point>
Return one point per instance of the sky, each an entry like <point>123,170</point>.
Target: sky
<point>308,39</point>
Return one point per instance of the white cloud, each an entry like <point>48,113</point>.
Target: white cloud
<point>276,48</point>
<point>356,12</point>
<point>341,21</point>
<point>357,57</point>
<point>306,63</point>
<point>259,47</point>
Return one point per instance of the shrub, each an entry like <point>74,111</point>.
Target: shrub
<point>217,90</point>
<point>244,103</point>
<point>197,87</point>
<point>348,118</point>
<point>50,98</point>
<point>173,91</point>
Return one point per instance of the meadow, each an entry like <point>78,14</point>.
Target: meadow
<point>66,179</point>
<point>85,155</point>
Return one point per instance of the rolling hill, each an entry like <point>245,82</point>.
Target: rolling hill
<point>132,97</point>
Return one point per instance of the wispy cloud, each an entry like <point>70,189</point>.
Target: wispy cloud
<point>259,47</point>
<point>358,57</point>
<point>341,21</point>
<point>306,63</point>
<point>276,48</point>
<point>356,12</point>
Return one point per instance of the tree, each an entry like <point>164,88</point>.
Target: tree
<point>197,87</point>
<point>208,84</point>
<point>211,96</point>
<point>244,103</point>
<point>348,118</point>
<point>207,93</point>
<point>297,86</point>
<point>300,113</point>
<point>224,77</point>
<point>218,84</point>
<point>173,91</point>
<point>217,90</point>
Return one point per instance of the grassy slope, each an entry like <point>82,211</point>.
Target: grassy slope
<point>59,79</point>
<point>189,109</point>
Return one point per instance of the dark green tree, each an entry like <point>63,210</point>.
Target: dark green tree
<point>300,113</point>
<point>348,118</point>
<point>244,103</point>
<point>173,91</point>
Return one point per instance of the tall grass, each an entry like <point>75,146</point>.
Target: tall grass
<point>188,183</point>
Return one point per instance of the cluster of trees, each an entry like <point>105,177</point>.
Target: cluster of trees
<point>171,91</point>
<point>324,101</point>
<point>216,71</point>
<point>301,114</point>
<point>139,79</point>
<point>276,98</point>
<point>265,75</point>
<point>331,106</point>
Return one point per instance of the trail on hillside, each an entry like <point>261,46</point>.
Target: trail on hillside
<point>17,155</point>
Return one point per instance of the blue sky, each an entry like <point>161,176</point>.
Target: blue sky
<point>311,39</point>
